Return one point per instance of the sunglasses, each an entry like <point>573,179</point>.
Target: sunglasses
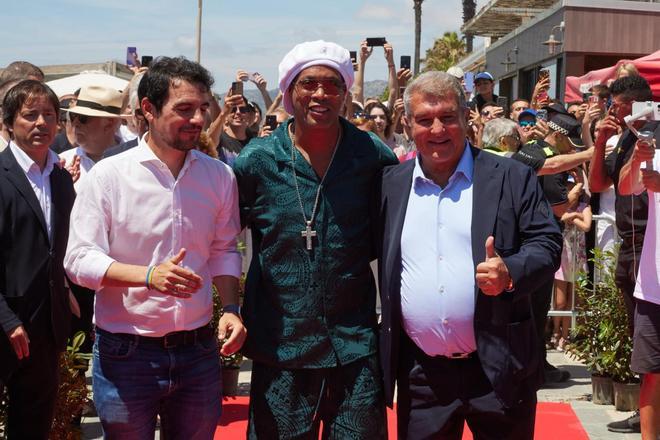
<point>242,109</point>
<point>83,119</point>
<point>527,123</point>
<point>330,87</point>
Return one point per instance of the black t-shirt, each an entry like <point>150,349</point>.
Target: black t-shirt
<point>631,212</point>
<point>532,155</point>
<point>230,147</point>
<point>479,101</point>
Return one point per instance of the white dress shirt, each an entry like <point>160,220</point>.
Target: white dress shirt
<point>133,211</point>
<point>647,286</point>
<point>86,163</point>
<point>437,270</point>
<point>39,180</point>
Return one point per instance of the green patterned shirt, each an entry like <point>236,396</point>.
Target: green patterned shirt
<point>310,309</point>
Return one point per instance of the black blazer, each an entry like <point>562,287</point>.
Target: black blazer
<point>32,291</point>
<point>507,203</point>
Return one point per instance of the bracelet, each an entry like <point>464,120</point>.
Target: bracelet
<point>150,273</point>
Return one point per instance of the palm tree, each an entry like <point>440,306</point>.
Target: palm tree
<point>469,9</point>
<point>418,31</point>
<point>446,52</point>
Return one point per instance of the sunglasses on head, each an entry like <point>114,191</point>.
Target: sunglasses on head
<point>331,86</point>
<point>527,123</point>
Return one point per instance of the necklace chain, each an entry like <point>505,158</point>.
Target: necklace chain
<point>308,223</point>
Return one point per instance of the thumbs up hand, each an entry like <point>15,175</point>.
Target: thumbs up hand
<point>492,275</point>
<point>172,279</point>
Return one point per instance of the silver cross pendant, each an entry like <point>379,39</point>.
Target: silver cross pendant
<point>308,233</point>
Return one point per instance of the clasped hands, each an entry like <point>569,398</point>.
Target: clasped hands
<point>492,275</point>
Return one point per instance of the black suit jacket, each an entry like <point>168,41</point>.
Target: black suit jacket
<point>508,204</point>
<point>32,291</point>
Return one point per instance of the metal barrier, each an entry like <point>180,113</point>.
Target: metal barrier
<point>604,218</point>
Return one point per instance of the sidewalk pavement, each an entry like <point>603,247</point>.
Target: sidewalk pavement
<point>576,391</point>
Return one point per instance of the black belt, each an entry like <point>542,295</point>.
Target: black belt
<point>173,339</point>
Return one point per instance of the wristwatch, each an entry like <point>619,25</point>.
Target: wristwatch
<point>232,308</point>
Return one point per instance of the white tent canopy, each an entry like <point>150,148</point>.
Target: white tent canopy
<point>68,85</point>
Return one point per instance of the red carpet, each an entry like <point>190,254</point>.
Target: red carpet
<point>553,421</point>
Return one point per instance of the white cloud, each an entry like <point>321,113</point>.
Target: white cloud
<point>184,42</point>
<point>371,11</point>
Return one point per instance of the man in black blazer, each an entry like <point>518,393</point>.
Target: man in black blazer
<point>36,196</point>
<point>467,237</point>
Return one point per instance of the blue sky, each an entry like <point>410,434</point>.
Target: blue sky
<point>250,34</point>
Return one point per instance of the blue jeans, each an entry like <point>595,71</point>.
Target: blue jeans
<point>134,380</point>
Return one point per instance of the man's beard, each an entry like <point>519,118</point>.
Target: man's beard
<point>184,145</point>
<point>181,145</point>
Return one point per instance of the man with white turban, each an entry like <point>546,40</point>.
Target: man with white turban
<point>306,192</point>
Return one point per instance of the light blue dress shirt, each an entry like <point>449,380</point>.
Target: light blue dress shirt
<point>437,272</point>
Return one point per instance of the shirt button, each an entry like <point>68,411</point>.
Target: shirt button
<point>441,289</point>
<point>445,321</point>
<point>439,257</point>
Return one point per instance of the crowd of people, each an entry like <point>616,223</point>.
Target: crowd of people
<point>479,213</point>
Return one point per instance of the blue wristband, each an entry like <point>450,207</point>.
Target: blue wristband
<point>232,308</point>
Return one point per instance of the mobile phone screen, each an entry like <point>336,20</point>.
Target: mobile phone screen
<point>131,55</point>
<point>237,88</point>
<point>380,41</point>
<point>271,121</point>
<point>405,62</point>
<point>146,60</point>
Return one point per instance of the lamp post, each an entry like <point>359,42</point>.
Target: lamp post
<point>552,42</point>
<point>199,30</point>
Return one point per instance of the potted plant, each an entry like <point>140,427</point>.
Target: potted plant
<point>231,364</point>
<point>600,335</point>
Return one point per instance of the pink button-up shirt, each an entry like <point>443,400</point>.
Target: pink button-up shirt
<point>133,211</point>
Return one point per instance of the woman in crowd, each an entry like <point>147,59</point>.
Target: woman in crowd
<point>383,127</point>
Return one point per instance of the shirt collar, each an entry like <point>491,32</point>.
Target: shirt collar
<point>26,163</point>
<point>465,168</point>
<point>144,153</point>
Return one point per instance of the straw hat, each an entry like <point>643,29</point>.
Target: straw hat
<point>98,101</point>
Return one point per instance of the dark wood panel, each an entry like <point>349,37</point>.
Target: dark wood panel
<point>606,31</point>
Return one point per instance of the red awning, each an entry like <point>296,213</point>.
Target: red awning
<point>648,66</point>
